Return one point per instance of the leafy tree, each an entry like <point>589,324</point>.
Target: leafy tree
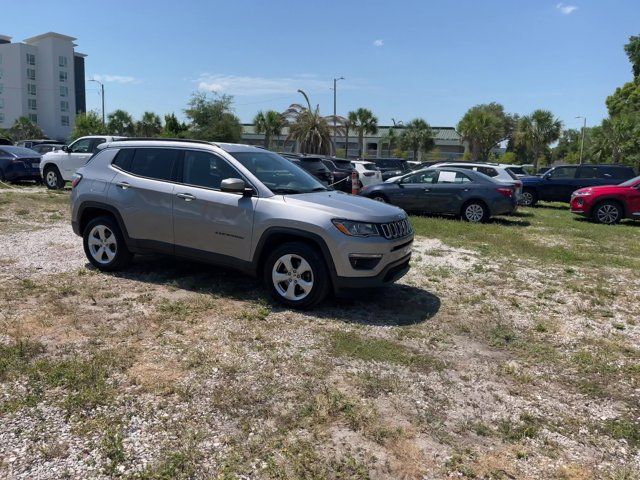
<point>270,123</point>
<point>172,127</point>
<point>417,137</point>
<point>536,132</point>
<point>23,128</point>
<point>617,139</point>
<point>120,122</point>
<point>632,49</point>
<point>484,127</point>
<point>363,122</point>
<point>625,99</point>
<point>213,118</point>
<point>310,129</point>
<point>89,123</point>
<point>508,158</point>
<point>149,125</point>
<point>568,148</point>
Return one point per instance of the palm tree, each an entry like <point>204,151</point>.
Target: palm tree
<point>363,122</point>
<point>269,123</point>
<point>346,125</point>
<point>390,139</point>
<point>120,122</point>
<point>311,130</point>
<point>149,125</point>
<point>537,131</point>
<point>417,137</point>
<point>24,128</point>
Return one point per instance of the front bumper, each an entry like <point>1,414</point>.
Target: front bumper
<point>389,274</point>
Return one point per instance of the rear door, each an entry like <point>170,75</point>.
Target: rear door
<point>448,194</point>
<point>142,191</point>
<point>208,222</point>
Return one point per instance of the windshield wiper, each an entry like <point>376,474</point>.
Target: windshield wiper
<point>285,190</point>
<point>320,189</point>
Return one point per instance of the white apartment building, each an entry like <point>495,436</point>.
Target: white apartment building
<point>42,78</point>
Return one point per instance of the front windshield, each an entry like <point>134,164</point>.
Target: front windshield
<point>630,182</point>
<point>277,173</point>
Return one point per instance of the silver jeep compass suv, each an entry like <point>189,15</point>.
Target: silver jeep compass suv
<point>236,206</point>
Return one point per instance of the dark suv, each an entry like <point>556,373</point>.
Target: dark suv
<point>558,183</point>
<point>312,164</point>
<point>341,170</point>
<point>392,167</point>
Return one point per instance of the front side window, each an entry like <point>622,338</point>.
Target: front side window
<point>452,177</point>
<point>154,163</point>
<point>421,177</point>
<point>81,146</point>
<point>204,169</point>
<point>563,172</point>
<point>278,174</point>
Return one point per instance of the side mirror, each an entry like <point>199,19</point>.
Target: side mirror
<point>65,148</point>
<point>234,185</point>
<point>547,176</point>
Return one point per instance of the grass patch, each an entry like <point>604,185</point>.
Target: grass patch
<point>626,429</point>
<point>527,427</point>
<point>351,344</point>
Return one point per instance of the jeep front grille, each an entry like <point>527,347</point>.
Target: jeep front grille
<point>394,230</point>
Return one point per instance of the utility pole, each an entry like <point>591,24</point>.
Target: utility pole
<point>584,127</point>
<point>335,81</point>
<point>102,95</point>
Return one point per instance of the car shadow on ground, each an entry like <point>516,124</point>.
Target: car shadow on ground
<point>508,222</point>
<point>624,223</point>
<point>395,305</point>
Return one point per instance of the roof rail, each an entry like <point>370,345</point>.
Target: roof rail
<point>162,139</point>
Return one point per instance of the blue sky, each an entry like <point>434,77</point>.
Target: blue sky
<point>401,59</point>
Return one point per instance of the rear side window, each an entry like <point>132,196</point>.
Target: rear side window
<point>95,143</point>
<point>369,166</point>
<point>204,169</point>
<point>123,159</point>
<point>511,174</point>
<point>586,172</point>
<point>154,162</point>
<point>343,164</point>
<point>488,171</point>
<point>614,172</point>
<point>452,177</point>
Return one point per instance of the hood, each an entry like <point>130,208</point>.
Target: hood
<point>601,188</point>
<point>341,205</point>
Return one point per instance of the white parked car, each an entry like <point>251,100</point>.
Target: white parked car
<point>497,171</point>
<point>58,167</point>
<point>368,173</point>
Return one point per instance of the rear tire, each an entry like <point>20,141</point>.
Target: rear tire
<point>529,197</point>
<point>607,213</point>
<point>104,244</point>
<point>52,178</point>
<point>475,212</point>
<point>296,275</point>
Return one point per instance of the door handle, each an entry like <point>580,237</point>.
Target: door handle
<point>123,185</point>
<point>427,189</point>
<point>187,197</point>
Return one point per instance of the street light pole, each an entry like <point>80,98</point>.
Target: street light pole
<point>584,127</point>
<point>101,94</point>
<point>335,81</point>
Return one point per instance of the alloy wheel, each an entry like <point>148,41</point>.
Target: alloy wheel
<point>474,212</point>
<point>103,244</point>
<point>608,214</point>
<point>527,198</point>
<point>380,199</point>
<point>52,179</point>
<point>292,277</point>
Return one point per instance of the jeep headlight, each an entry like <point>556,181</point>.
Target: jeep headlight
<point>356,229</point>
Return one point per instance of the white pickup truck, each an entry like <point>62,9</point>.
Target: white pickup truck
<point>58,167</point>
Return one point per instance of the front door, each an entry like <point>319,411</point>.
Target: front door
<point>142,192</point>
<point>77,155</point>
<point>414,191</point>
<point>208,222</point>
<point>634,202</point>
<point>558,184</point>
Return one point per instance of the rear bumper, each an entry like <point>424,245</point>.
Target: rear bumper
<point>389,274</point>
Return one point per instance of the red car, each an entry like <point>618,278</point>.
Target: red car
<point>608,203</point>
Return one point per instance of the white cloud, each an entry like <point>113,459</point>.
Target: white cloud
<point>115,79</point>
<point>247,86</point>
<point>566,9</point>
<point>378,43</point>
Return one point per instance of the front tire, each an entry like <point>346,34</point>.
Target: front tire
<point>104,244</point>
<point>379,198</point>
<point>529,198</point>
<point>296,275</point>
<point>52,178</point>
<point>475,212</point>
<point>607,213</point>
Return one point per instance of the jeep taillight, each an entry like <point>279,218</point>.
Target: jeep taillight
<point>75,180</point>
